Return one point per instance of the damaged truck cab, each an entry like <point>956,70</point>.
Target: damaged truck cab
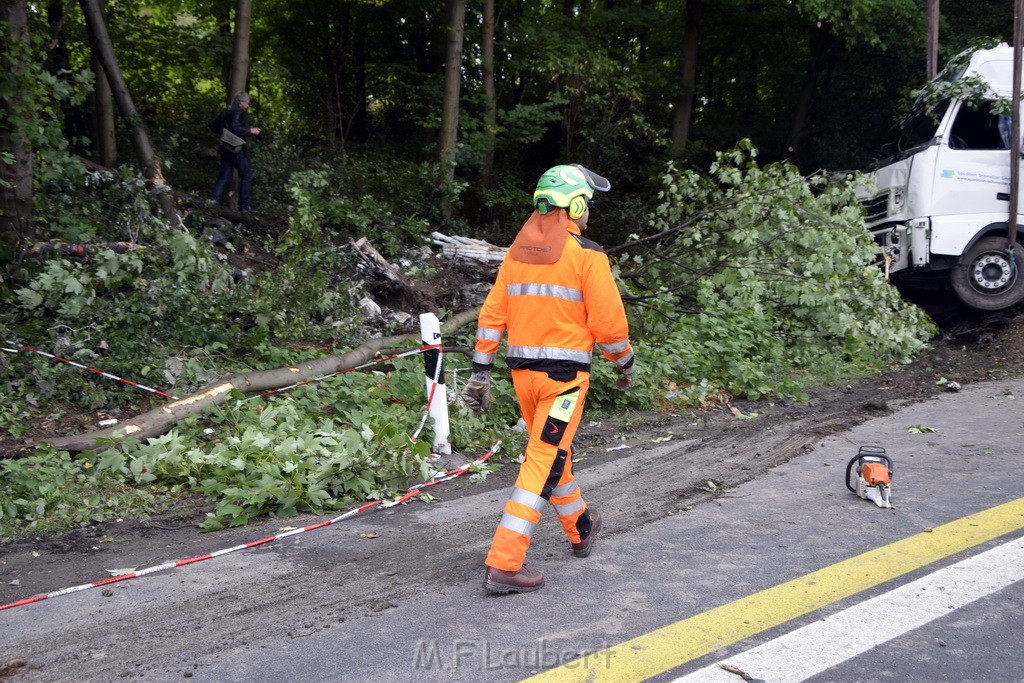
<point>940,203</point>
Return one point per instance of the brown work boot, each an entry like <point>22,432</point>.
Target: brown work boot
<point>582,549</point>
<point>522,581</point>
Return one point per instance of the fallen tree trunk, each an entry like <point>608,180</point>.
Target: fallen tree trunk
<point>82,250</point>
<point>160,420</point>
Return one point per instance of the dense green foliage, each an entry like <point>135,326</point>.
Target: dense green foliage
<point>356,86</point>
<point>764,290</point>
<point>317,449</point>
<point>745,274</point>
<point>772,270</point>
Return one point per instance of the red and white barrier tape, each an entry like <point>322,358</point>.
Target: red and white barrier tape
<point>433,388</point>
<point>440,476</point>
<point>421,349</point>
<point>437,478</point>
<point>93,370</point>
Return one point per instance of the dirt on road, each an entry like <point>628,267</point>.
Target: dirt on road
<point>712,446</point>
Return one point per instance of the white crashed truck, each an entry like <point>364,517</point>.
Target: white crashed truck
<point>940,203</point>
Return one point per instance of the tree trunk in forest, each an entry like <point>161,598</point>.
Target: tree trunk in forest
<point>687,76</point>
<point>159,420</point>
<point>490,97</point>
<point>336,60</point>
<point>238,75</point>
<point>644,36</point>
<point>99,39</point>
<point>104,140</point>
<point>452,85</point>
<point>15,118</point>
<point>240,48</point>
<point>823,42</point>
<point>58,62</point>
<point>222,14</point>
<point>359,128</point>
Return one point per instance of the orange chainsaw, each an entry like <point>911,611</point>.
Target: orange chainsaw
<point>874,475</point>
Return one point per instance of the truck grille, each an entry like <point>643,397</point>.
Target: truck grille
<point>877,208</point>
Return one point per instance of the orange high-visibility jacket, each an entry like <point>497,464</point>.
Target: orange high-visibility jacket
<point>554,313</point>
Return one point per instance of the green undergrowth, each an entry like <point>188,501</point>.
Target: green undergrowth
<point>755,282</point>
<point>748,281</point>
<point>316,449</point>
<point>51,491</point>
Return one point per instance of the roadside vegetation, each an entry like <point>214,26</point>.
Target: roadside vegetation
<point>743,277</point>
<point>752,281</point>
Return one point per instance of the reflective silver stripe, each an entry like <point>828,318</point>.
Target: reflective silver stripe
<point>554,291</point>
<point>517,524</point>
<point>488,333</point>
<point>569,508</point>
<point>530,500</point>
<point>484,358</point>
<point>622,362</point>
<point>617,347</point>
<point>564,490</point>
<point>549,353</point>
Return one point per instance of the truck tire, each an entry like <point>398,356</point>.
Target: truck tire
<point>986,278</point>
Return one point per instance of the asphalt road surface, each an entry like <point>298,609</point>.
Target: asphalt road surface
<point>786,577</point>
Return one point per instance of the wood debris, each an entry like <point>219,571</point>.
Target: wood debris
<point>468,249</point>
<point>376,266</point>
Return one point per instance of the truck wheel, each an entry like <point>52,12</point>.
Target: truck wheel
<point>986,278</point>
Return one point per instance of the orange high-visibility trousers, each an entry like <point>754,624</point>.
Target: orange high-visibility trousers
<point>552,410</point>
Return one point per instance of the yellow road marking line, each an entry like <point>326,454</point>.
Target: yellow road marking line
<point>676,644</point>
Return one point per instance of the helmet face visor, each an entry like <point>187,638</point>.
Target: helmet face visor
<point>599,183</point>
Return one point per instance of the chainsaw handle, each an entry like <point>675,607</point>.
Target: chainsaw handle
<point>875,453</point>
<point>849,466</point>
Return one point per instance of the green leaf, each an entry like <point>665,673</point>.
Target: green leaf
<point>30,299</point>
<point>920,429</point>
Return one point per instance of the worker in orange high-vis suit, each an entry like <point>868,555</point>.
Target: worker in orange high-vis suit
<point>555,298</point>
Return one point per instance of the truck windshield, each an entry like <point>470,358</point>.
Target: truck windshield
<point>917,130</point>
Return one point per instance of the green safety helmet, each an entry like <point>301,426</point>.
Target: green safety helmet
<point>568,187</point>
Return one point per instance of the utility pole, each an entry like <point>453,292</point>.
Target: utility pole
<point>1018,38</point>
<point>933,39</point>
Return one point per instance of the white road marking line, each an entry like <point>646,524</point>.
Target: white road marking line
<point>811,649</point>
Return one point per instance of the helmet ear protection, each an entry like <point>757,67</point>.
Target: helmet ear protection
<point>577,207</point>
<point>569,187</point>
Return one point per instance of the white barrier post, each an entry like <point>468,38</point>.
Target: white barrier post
<point>437,393</point>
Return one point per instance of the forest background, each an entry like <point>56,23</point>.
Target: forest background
<point>731,131</point>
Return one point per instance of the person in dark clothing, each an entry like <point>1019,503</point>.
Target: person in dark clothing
<point>234,155</point>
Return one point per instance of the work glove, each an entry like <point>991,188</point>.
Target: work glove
<point>627,378</point>
<point>477,393</point>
